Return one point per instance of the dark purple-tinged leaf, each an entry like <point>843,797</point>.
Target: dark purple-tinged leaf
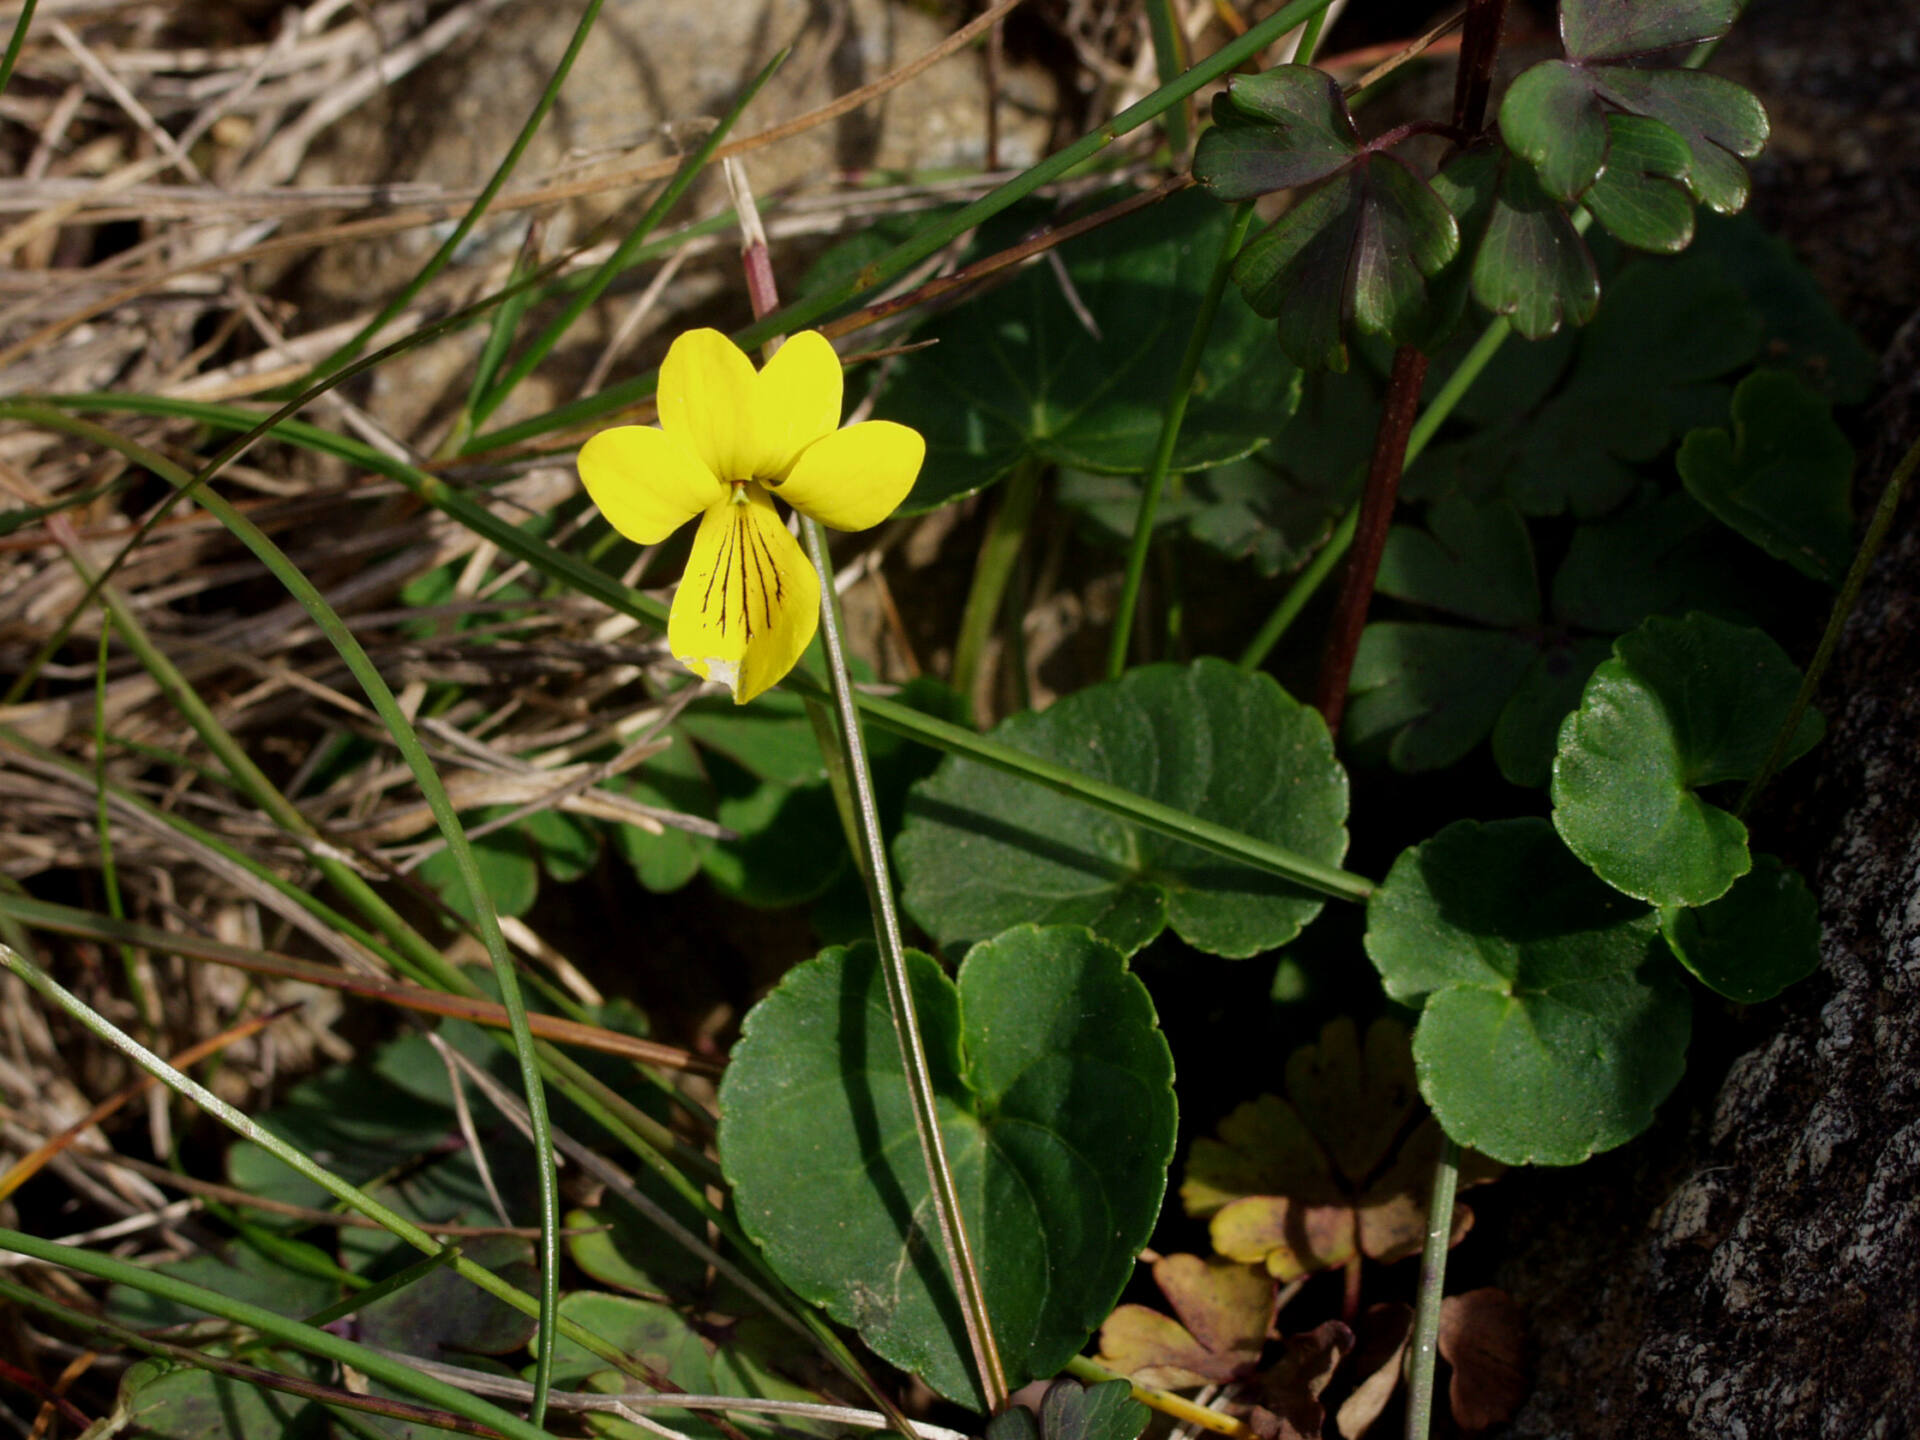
<point>1782,477</point>
<point>1357,248</point>
<point>1532,265</point>
<point>1641,196</point>
<point>1549,119</point>
<point>442,1316</point>
<point>1286,1403</point>
<point>1072,1411</point>
<point>1296,272</point>
<point>1619,29</point>
<point>1721,122</point>
<point>1406,234</point>
<point>1284,128</point>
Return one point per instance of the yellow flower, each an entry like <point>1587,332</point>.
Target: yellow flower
<point>729,440</point>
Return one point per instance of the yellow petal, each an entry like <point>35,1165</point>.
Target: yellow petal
<point>706,398</point>
<point>647,482</point>
<point>855,477</point>
<point>796,400</point>
<point>750,599</point>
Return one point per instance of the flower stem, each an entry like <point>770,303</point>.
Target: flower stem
<point>886,929</point>
<point>1423,1348</point>
<point>1170,423</point>
<point>991,573</point>
<point>871,854</point>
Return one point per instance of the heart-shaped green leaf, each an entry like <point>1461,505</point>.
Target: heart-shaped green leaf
<point>1641,196</point>
<point>1055,1091</point>
<point>1473,559</point>
<point>1754,941</point>
<point>1552,1021</point>
<point>981,850</point>
<point>1285,127</point>
<point>1078,372</point>
<point>1681,705</point>
<point>1782,478</point>
<point>1721,122</point>
<point>1429,693</point>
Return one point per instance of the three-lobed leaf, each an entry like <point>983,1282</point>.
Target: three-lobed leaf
<point>1054,1086</point>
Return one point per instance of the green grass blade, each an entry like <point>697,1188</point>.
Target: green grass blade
<point>293,1333</point>
<point>452,243</point>
<point>294,1159</point>
<point>19,39</point>
<point>623,254</point>
<point>1171,420</point>
<point>900,719</point>
<point>810,309</point>
<point>428,779</point>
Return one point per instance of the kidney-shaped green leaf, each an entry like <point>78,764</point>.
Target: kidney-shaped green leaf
<point>1055,1089</point>
<point>1553,1022</point>
<point>1682,704</point>
<point>982,851</point>
<point>1078,373</point>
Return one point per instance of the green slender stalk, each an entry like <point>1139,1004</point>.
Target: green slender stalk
<point>313,1341</point>
<point>1304,52</point>
<point>906,1024</point>
<point>1304,587</point>
<point>806,311</point>
<point>623,253</point>
<point>1176,414</point>
<point>1169,58</point>
<point>493,354</point>
<point>991,572</point>
<point>12,57</point>
<point>890,715</point>
<point>109,871</point>
<point>1423,1347</point>
<point>242,1125</point>
<point>440,258</point>
<point>1309,581</point>
<point>1843,604</point>
<point>408,743</point>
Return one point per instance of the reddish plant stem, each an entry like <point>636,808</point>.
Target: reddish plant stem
<point>1479,49</point>
<point>1370,537</point>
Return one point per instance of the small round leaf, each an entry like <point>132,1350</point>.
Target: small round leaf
<point>1754,941</point>
<point>1682,704</point>
<point>1552,1021</point>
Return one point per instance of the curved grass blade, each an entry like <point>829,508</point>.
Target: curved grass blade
<point>312,1340</point>
<point>903,257</point>
<point>538,349</point>
<point>448,247</point>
